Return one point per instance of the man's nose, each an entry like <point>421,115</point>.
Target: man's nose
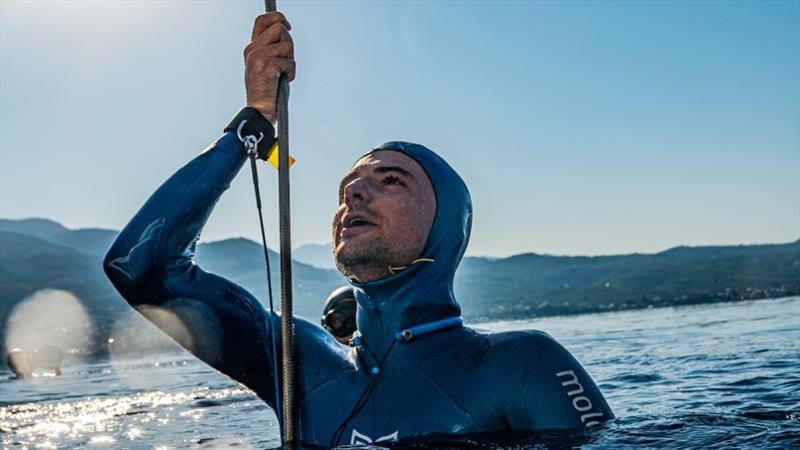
<point>356,191</point>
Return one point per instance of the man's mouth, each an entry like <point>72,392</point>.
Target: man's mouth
<point>357,222</point>
<point>354,224</point>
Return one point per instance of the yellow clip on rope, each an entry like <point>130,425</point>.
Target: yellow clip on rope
<point>273,156</point>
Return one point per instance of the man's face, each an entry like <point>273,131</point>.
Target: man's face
<point>386,210</point>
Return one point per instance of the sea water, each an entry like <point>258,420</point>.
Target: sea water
<point>708,376</point>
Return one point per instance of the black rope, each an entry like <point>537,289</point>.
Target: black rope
<point>269,287</point>
<point>287,318</point>
<point>287,322</point>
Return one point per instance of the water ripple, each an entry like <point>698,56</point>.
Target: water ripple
<point>707,376</point>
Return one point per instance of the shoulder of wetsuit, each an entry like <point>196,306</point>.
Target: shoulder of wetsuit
<point>533,351</point>
<point>312,334</point>
<point>321,358</point>
<point>532,369</point>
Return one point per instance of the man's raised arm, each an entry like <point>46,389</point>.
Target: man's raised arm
<point>151,262</point>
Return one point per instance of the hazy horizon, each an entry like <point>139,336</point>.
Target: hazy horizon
<point>581,128</point>
<point>273,245</point>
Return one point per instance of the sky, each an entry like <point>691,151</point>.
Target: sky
<point>581,128</point>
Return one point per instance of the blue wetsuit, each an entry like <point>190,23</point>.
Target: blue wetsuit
<point>455,381</point>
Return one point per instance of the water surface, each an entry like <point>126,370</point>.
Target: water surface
<point>705,376</point>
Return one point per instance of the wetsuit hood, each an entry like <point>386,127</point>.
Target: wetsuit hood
<point>423,292</point>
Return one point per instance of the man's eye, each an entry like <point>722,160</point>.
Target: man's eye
<point>391,179</point>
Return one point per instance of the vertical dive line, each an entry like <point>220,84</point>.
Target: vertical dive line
<point>287,322</point>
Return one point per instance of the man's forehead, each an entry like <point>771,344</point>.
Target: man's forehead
<point>387,158</point>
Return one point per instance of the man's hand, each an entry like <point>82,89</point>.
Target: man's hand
<point>269,53</point>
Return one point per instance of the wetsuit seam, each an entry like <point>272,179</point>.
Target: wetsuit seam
<point>245,305</point>
<point>485,346</point>
<point>446,394</point>
<point>323,383</point>
<point>390,416</point>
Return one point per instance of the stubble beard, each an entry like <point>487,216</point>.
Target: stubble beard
<point>364,261</point>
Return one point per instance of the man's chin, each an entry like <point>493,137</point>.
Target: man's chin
<point>358,261</point>
<point>354,249</point>
<point>346,259</point>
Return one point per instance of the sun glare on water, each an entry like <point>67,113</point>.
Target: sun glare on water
<point>115,422</point>
<point>47,327</point>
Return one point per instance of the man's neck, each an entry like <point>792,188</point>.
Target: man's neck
<point>358,272</point>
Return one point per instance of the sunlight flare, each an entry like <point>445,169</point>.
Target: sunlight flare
<point>46,327</point>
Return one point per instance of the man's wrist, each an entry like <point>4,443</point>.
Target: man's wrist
<point>272,119</point>
<point>256,124</point>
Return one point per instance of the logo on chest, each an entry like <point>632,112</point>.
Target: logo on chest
<point>360,438</point>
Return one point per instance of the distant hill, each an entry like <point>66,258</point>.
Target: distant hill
<point>29,264</point>
<point>94,241</point>
<point>531,284</point>
<point>317,255</point>
<point>37,254</point>
<point>242,261</point>
<point>40,254</point>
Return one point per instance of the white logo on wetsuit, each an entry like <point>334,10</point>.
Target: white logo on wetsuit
<point>361,439</point>
<point>580,403</point>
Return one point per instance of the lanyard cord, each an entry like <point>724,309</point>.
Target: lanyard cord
<point>362,400</point>
<point>405,335</point>
<point>250,143</point>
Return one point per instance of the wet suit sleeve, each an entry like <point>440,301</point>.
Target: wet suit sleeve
<point>546,388</point>
<point>151,264</point>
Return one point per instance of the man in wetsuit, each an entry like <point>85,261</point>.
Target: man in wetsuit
<point>401,228</point>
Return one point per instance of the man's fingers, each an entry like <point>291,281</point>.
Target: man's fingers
<point>264,62</point>
<point>280,49</point>
<point>264,21</point>
<point>287,67</point>
<point>273,35</point>
<point>276,32</point>
<point>269,54</point>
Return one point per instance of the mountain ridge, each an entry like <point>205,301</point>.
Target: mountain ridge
<point>41,254</point>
